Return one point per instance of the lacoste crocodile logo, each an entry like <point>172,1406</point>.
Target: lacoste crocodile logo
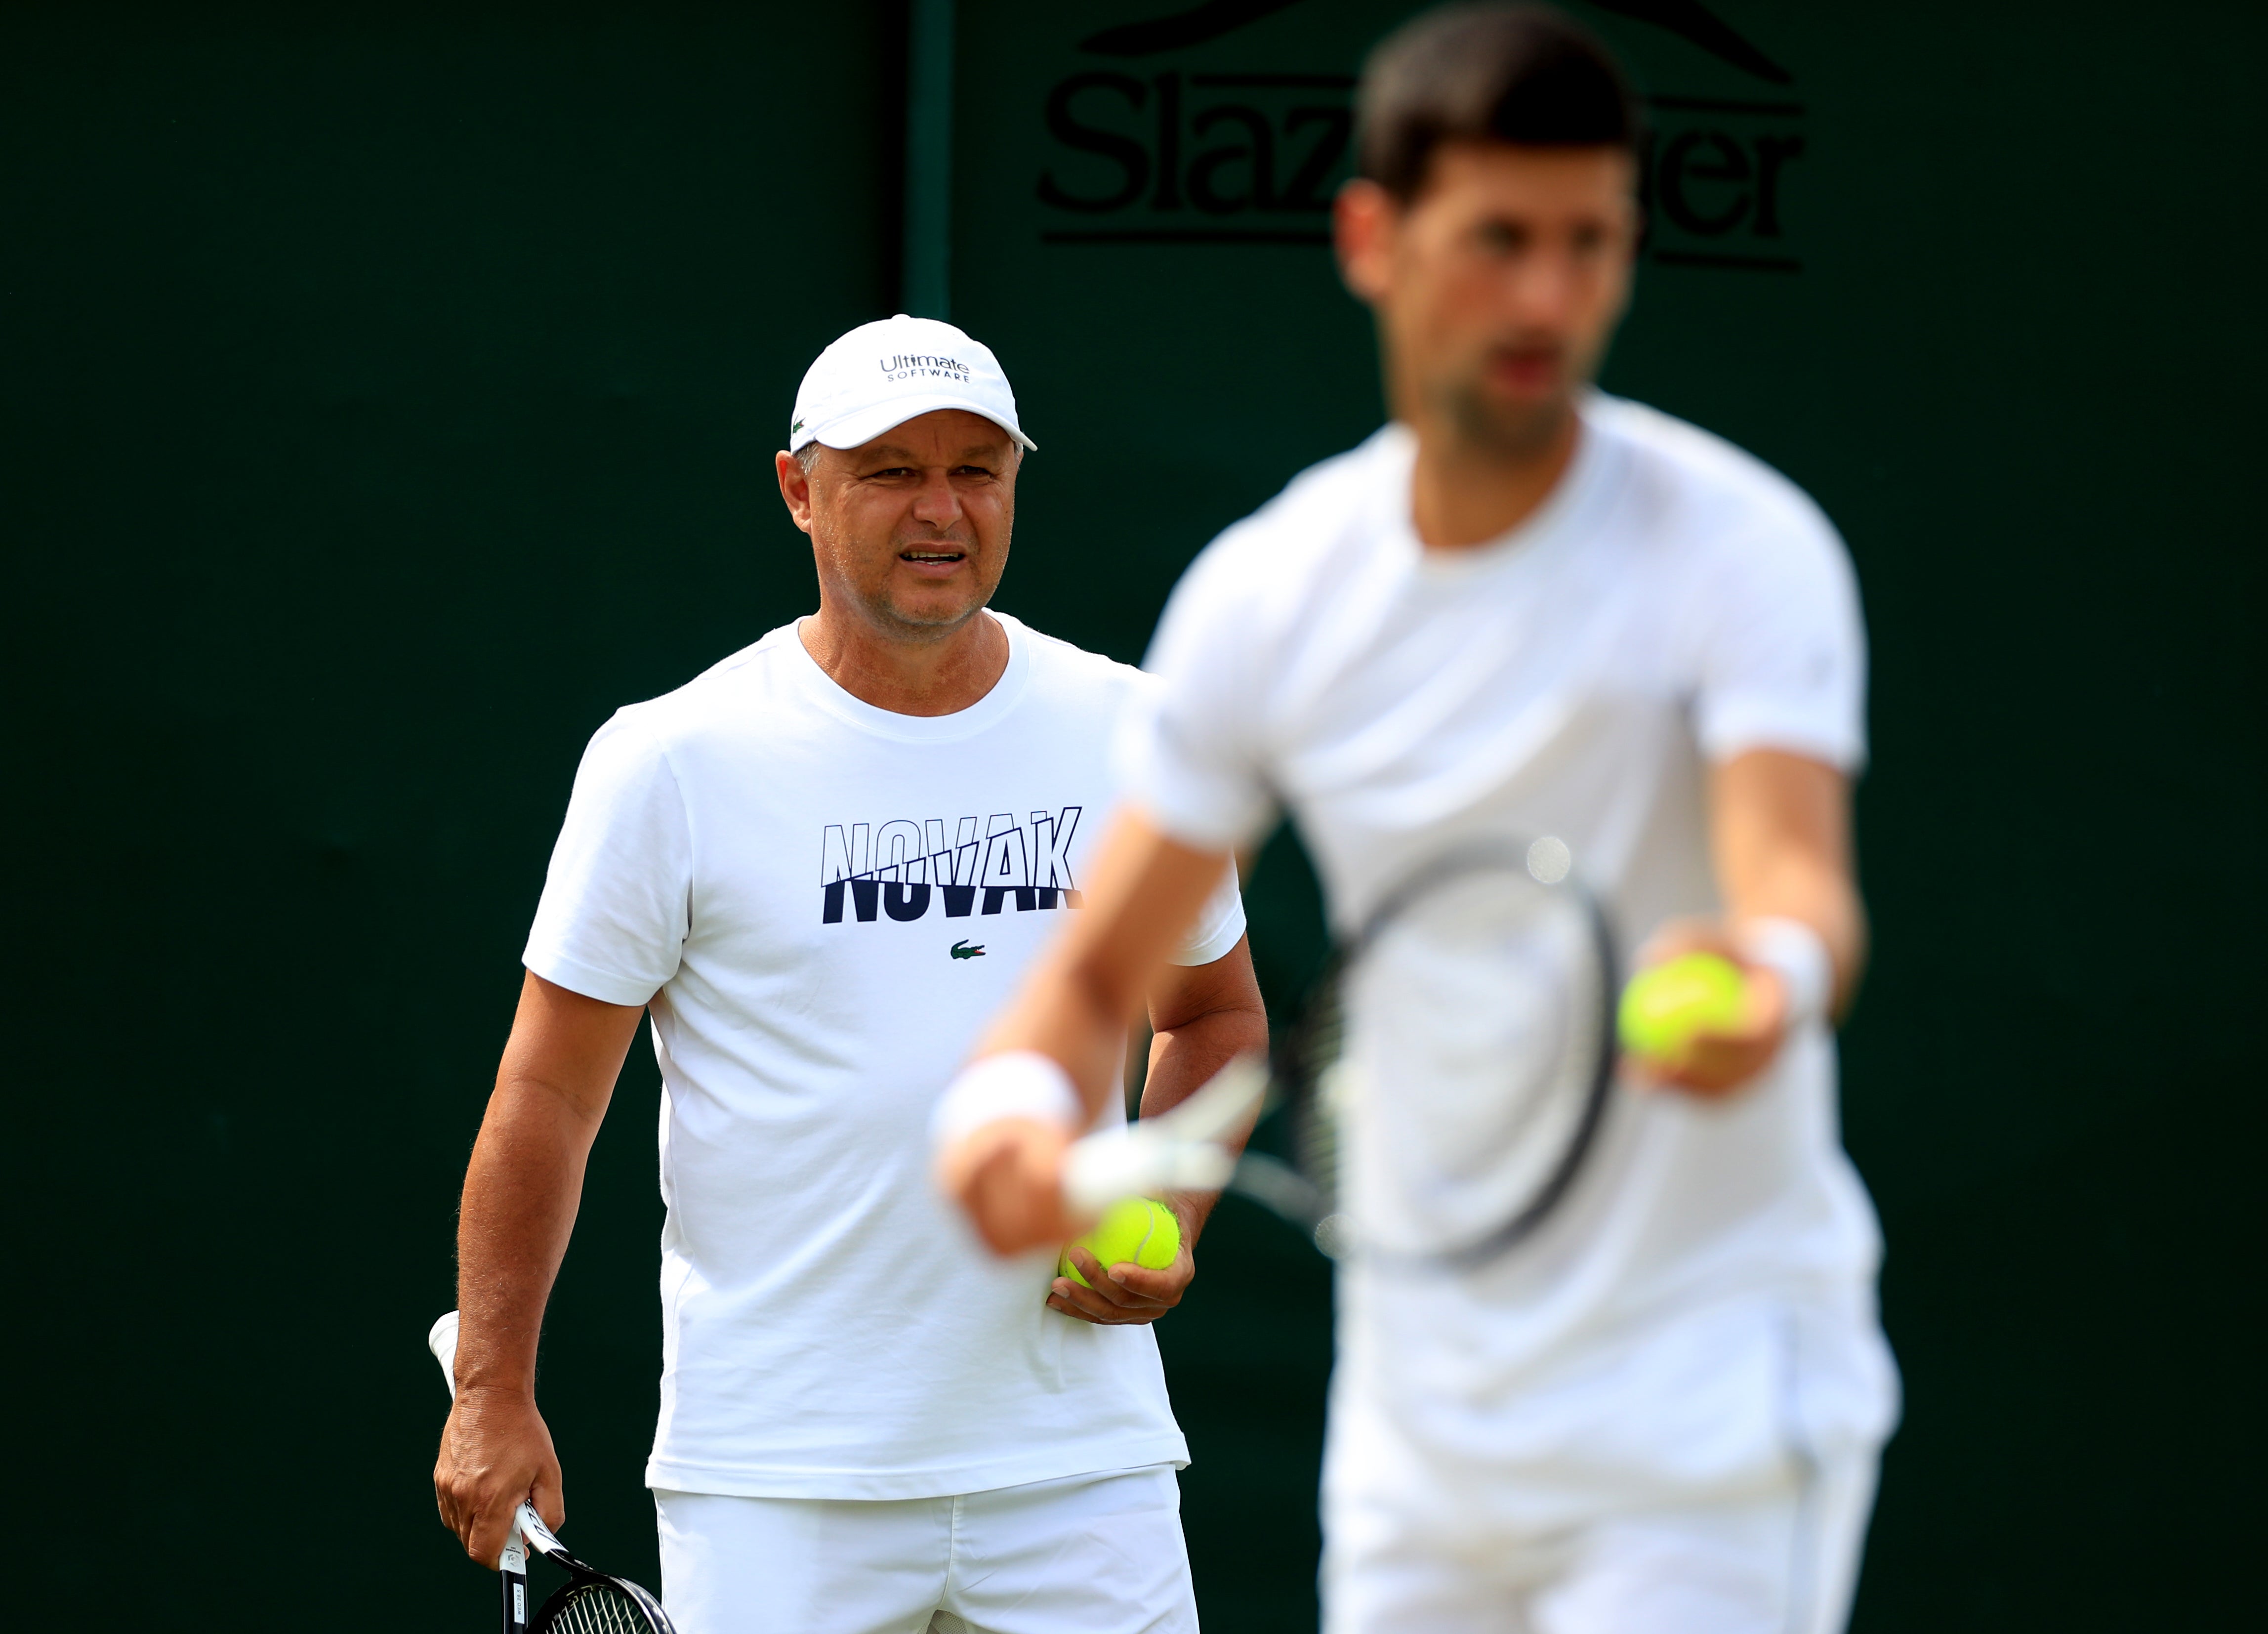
<point>963,950</point>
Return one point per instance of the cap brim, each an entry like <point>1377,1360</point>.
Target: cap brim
<point>855,431</point>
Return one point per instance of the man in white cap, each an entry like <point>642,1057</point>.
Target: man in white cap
<point>819,866</point>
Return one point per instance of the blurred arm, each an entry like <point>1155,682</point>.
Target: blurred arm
<point>1074,1007</point>
<point>1780,831</point>
<point>1203,1017</point>
<point>1076,1004</point>
<point>1780,827</point>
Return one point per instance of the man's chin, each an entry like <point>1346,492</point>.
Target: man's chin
<point>925,618</point>
<point>1515,426</point>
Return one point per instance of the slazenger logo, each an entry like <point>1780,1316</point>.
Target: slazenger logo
<point>1186,153</point>
<point>905,368</point>
<point>903,870</point>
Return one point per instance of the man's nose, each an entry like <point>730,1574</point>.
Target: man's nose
<point>937,503</point>
<point>1544,290</point>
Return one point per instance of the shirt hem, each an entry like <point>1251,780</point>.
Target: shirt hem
<point>1212,947</point>
<point>1736,734</point>
<point>588,979</point>
<point>1201,824</point>
<point>671,1474</point>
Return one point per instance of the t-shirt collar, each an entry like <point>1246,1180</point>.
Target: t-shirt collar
<point>821,689</point>
<point>1566,513</point>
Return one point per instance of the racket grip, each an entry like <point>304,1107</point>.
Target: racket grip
<point>442,1340</point>
<point>1102,1169</point>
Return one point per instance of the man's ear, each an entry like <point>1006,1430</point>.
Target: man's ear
<point>1364,219</point>
<point>795,488</point>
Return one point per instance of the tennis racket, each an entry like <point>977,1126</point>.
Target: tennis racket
<point>592,1601</point>
<point>1441,1088</point>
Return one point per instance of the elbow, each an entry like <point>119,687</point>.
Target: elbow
<point>1247,1032</point>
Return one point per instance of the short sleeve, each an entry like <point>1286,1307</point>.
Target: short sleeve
<point>1219,925</point>
<point>1783,660</point>
<point>616,908</point>
<point>1187,752</point>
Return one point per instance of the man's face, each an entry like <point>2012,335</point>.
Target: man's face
<point>910,531</point>
<point>1499,286</point>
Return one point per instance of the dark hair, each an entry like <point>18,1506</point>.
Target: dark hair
<point>1519,74</point>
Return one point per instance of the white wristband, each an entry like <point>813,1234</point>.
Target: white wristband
<point>1792,951</point>
<point>1022,1084</point>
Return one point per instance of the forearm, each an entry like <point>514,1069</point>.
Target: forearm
<point>1822,899</point>
<point>521,1193</point>
<point>1007,1121</point>
<point>1075,1006</point>
<point>521,1190</point>
<point>1070,1013</point>
<point>1781,832</point>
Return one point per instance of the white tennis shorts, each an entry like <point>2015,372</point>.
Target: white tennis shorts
<point>1098,1554</point>
<point>1780,1564</point>
<point>1710,1474</point>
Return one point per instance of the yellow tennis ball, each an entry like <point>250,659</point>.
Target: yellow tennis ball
<point>1140,1229</point>
<point>1664,1007</point>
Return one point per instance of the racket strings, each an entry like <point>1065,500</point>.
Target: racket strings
<point>598,1609</point>
<point>1470,1026</point>
<point>1316,1111</point>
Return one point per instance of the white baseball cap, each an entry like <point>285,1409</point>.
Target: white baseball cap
<point>883,375</point>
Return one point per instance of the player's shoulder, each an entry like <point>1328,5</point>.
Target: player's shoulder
<point>1064,673</point>
<point>1706,487</point>
<point>1334,508</point>
<point>717,699</point>
<point>1332,501</point>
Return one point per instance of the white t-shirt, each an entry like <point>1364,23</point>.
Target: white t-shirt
<point>1673,603</point>
<point>823,902</point>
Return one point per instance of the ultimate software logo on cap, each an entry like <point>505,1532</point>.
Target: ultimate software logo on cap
<point>884,374</point>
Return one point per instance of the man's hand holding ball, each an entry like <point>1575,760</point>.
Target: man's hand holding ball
<point>1133,1267</point>
<point>1704,1014</point>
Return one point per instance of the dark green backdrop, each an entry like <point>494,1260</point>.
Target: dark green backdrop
<point>386,392</point>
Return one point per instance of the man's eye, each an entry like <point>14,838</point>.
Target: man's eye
<point>973,470</point>
<point>1500,238</point>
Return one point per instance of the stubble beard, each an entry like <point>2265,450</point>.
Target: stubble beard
<point>915,627</point>
<point>1495,430</point>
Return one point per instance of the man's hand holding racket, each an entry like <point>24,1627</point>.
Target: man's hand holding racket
<point>495,1454</point>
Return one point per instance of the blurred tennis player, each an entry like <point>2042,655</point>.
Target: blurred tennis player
<point>821,867</point>
<point>1527,608</point>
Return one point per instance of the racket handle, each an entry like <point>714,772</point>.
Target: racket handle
<point>442,1340</point>
<point>1102,1169</point>
<point>529,1525</point>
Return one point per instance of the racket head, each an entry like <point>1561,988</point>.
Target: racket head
<point>592,1602</point>
<point>1450,1073</point>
